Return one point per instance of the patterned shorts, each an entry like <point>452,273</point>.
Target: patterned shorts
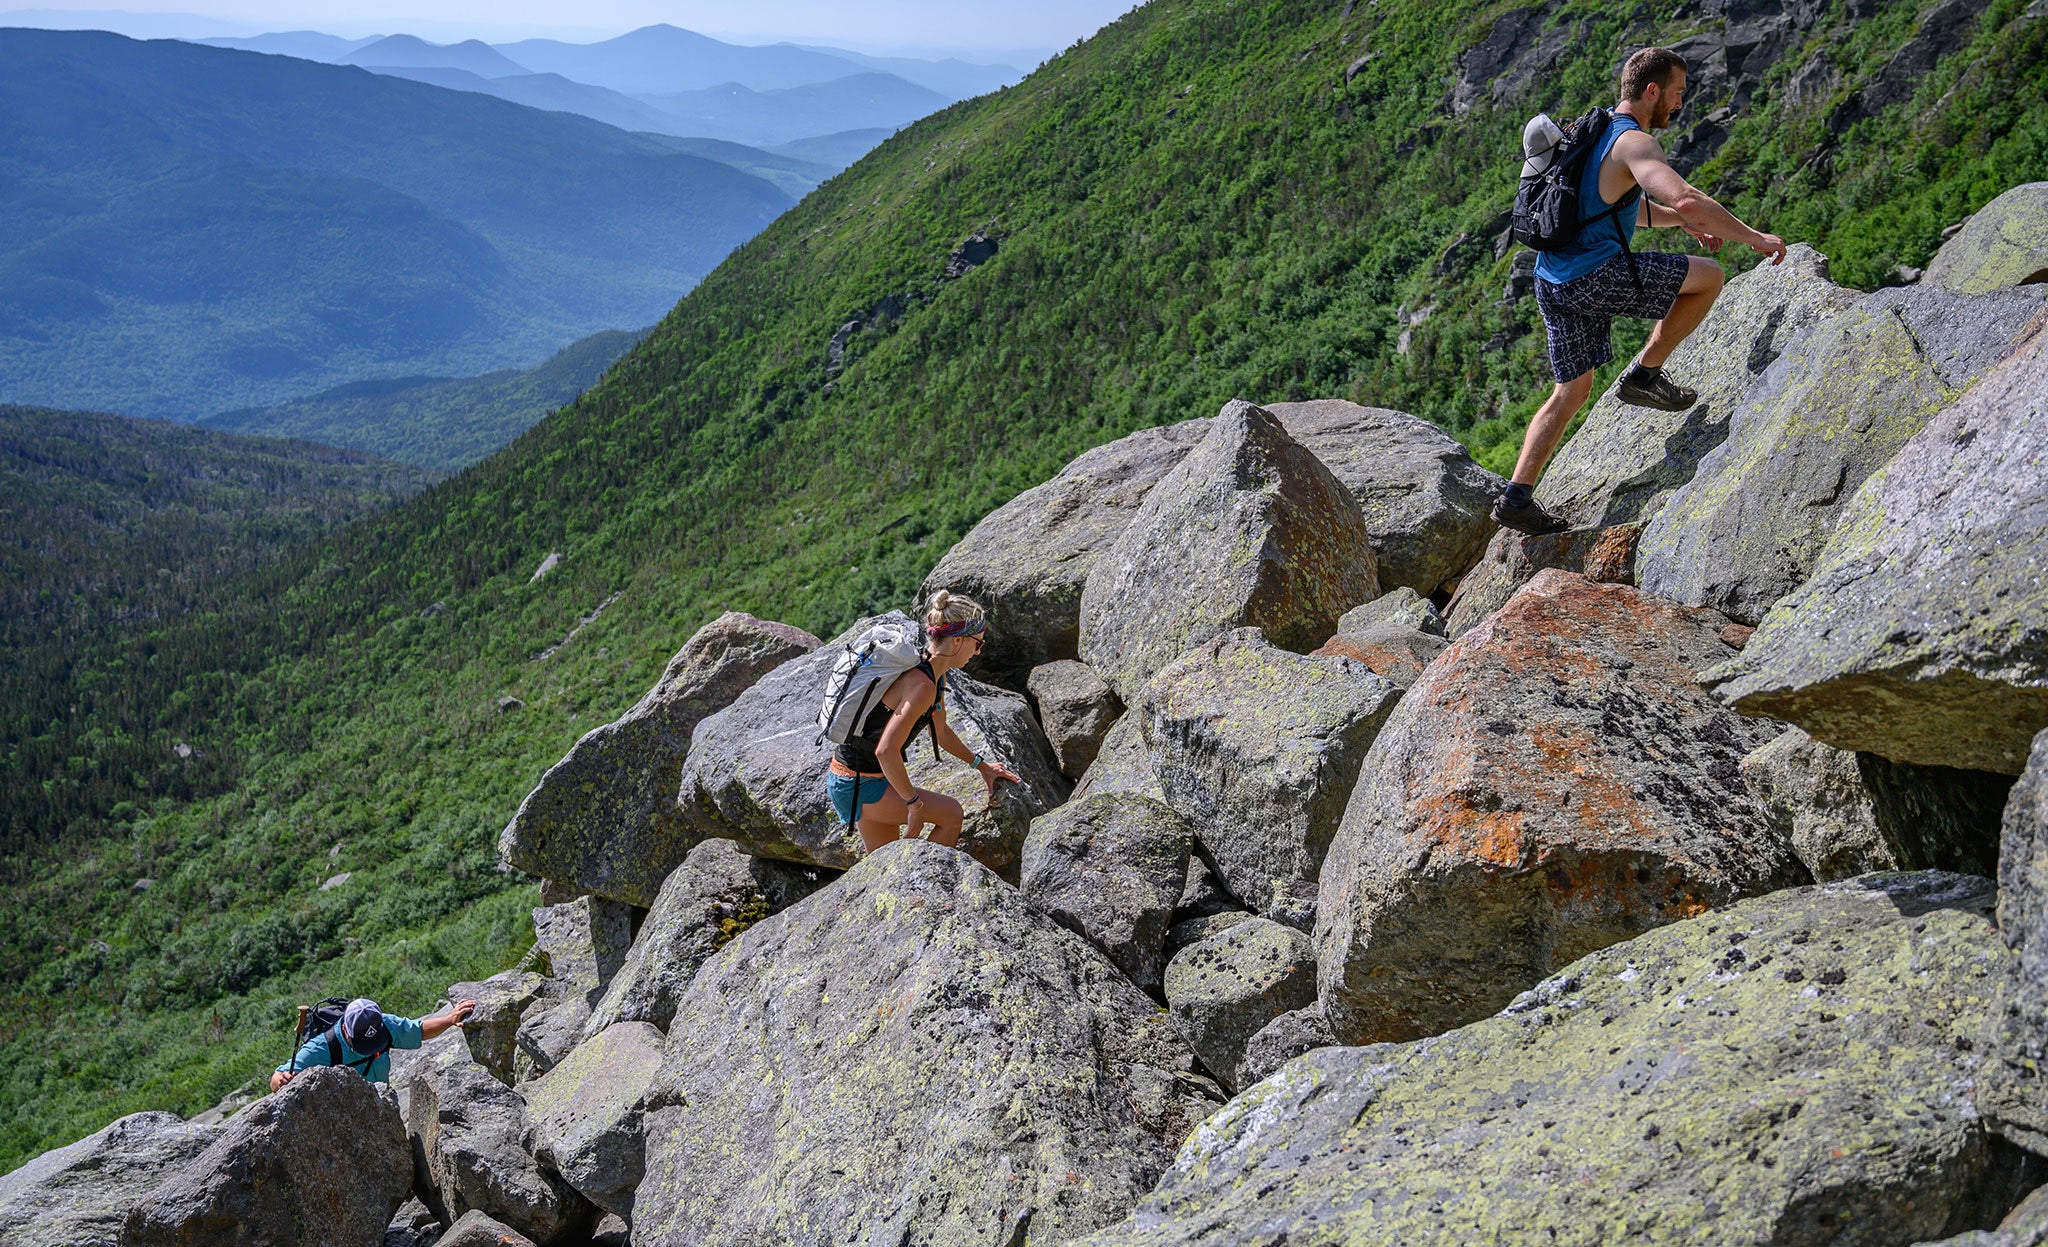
<point>1579,315</point>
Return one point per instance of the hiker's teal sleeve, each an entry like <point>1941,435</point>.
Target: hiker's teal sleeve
<point>405,1032</point>
<point>312,1053</point>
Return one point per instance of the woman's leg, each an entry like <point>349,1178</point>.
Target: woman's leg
<point>883,819</point>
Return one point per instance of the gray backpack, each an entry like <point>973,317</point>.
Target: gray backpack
<point>864,671</point>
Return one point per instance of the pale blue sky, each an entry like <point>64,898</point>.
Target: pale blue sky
<point>951,26</point>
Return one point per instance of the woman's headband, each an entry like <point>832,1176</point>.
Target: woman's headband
<point>959,627</point>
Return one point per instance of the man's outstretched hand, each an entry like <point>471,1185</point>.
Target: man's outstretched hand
<point>278,1079</point>
<point>1770,245</point>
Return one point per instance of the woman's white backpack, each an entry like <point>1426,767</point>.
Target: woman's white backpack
<point>864,670</point>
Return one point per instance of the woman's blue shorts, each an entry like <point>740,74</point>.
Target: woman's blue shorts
<point>846,791</point>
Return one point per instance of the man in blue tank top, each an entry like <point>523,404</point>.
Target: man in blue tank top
<point>1582,287</point>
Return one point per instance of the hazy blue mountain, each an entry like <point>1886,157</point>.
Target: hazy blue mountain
<point>834,151</point>
<point>662,60</point>
<point>307,45</point>
<point>186,229</point>
<point>766,118</point>
<point>548,91</point>
<point>412,52</point>
<point>951,77</point>
<point>436,422</point>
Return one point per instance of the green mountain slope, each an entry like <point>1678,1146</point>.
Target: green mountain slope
<point>436,422</point>
<point>190,229</point>
<point>1209,199</point>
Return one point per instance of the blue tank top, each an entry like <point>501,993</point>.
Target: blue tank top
<point>1595,244</point>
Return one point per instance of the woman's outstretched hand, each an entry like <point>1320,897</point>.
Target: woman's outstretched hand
<point>991,772</point>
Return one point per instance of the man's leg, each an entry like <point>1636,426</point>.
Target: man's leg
<point>1547,426</point>
<point>1703,282</point>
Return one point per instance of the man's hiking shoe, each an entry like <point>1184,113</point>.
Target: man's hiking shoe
<point>1655,390</point>
<point>1531,519</point>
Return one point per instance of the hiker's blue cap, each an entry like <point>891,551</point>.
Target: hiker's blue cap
<point>362,1024</point>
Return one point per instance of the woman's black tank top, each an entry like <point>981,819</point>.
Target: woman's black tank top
<point>858,753</point>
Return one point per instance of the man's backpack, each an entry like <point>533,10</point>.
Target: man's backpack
<point>1546,215</point>
<point>326,1016</point>
<point>864,671</point>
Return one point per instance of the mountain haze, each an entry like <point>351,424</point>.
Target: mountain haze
<point>1272,199</point>
<point>194,229</point>
<point>409,51</point>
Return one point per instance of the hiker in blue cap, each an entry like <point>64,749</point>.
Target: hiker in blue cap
<point>363,1037</point>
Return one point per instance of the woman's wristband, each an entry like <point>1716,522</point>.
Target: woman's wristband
<point>910,800</point>
<point>975,761</point>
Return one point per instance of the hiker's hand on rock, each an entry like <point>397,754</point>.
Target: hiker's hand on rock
<point>278,1080</point>
<point>993,771</point>
<point>460,1013</point>
<point>1771,245</point>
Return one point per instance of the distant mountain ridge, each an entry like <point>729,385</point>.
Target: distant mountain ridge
<point>409,51</point>
<point>194,229</point>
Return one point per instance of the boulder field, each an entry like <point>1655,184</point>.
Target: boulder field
<point>1374,878</point>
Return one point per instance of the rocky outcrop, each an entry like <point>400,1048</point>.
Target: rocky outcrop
<point>1398,654</point>
<point>756,770</point>
<point>1281,1040</point>
<point>1748,527</point>
<point>1027,560</point>
<point>1814,795</point>
<point>702,902</point>
<point>1111,869</point>
<point>1718,1077</point>
<point>1557,782</point>
<point>2005,244</point>
<point>283,1173</point>
<point>605,816</point>
<point>1606,554</point>
<point>474,1229</point>
<point>991,1077</point>
<point>1123,765</point>
<point>1250,530</point>
<point>1425,500</point>
<point>2019,1078</point>
<point>1076,708</point>
<point>1225,989</point>
<point>78,1196</point>
<point>502,1003</point>
<point>584,1116</point>
<point>1259,748</point>
<point>1397,608</point>
<point>472,1134</point>
<point>1625,461</point>
<point>1922,634</point>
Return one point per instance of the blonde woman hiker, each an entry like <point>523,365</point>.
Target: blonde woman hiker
<point>884,691</point>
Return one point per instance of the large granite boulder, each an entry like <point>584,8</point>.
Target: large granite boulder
<point>322,1161</point>
<point>79,1195</point>
<point>2005,244</point>
<point>474,1229</point>
<point>1749,526</point>
<point>1124,764</point>
<point>1111,869</point>
<point>1617,470</point>
<point>1259,749</point>
<point>1922,634</point>
<point>1814,794</point>
<point>1076,708</point>
<point>756,770</point>
<point>1426,501</point>
<point>2019,1081</point>
<point>1555,783</point>
<point>1398,654</point>
<point>1028,559</point>
<point>915,1056</point>
<point>702,902</point>
<point>604,818</point>
<point>1225,989</point>
<point>1795,1070</point>
<point>1624,461</point>
<point>1397,608</point>
<point>584,1115</point>
<point>472,1134</point>
<point>1250,530</point>
<point>1606,554</point>
<point>502,1003</point>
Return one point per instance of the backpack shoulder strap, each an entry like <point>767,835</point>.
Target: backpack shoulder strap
<point>333,1047</point>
